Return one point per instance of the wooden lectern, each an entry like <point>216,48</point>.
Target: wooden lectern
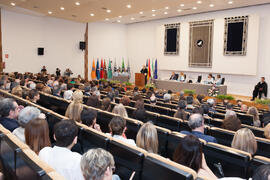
<point>139,80</point>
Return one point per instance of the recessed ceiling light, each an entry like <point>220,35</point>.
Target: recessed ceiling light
<point>230,2</point>
<point>153,10</point>
<point>179,10</point>
<point>211,5</point>
<point>132,18</point>
<point>62,8</point>
<point>182,5</point>
<point>108,11</point>
<point>12,4</point>
<point>153,15</point>
<point>92,14</point>
<point>128,6</point>
<point>49,12</point>
<point>106,19</point>
<point>141,12</point>
<point>194,8</point>
<point>77,3</point>
<point>165,12</point>
<point>118,21</point>
<point>166,7</point>
<point>120,16</point>
<point>199,2</point>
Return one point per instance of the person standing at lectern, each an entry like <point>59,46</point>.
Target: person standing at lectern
<point>174,76</point>
<point>260,88</point>
<point>144,71</point>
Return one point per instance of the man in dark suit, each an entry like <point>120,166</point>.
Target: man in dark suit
<point>144,71</point>
<point>174,76</point>
<point>9,111</point>
<point>260,88</point>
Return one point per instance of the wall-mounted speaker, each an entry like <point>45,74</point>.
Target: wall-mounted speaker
<point>82,45</point>
<point>40,51</point>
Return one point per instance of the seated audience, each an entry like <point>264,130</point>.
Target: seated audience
<point>197,110</point>
<point>205,110</point>
<point>167,96</point>
<point>120,110</point>
<point>174,76</point>
<point>117,128</point>
<point>9,111</point>
<point>89,118</point>
<point>229,110</point>
<point>25,116</point>
<point>60,157</point>
<point>37,134</point>
<point>139,113</point>
<point>200,98</point>
<point>106,104</point>
<point>93,101</point>
<point>75,108</point>
<point>196,123</point>
<point>47,90</point>
<point>98,164</point>
<point>189,153</point>
<point>125,101</point>
<point>244,108</point>
<point>190,102</point>
<point>56,91</point>
<point>153,99</point>
<point>147,138</point>
<point>181,113</point>
<point>254,112</point>
<point>182,96</point>
<point>68,93</point>
<point>239,103</point>
<point>17,91</point>
<point>211,103</point>
<point>244,140</point>
<point>231,123</point>
<point>262,173</point>
<point>267,131</point>
<point>33,95</point>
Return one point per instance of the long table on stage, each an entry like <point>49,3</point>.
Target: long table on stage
<point>121,78</point>
<point>177,86</point>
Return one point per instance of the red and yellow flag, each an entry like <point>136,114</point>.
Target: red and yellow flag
<point>93,72</point>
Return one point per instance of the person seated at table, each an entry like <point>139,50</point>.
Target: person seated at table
<point>210,79</point>
<point>174,76</point>
<point>218,81</point>
<point>182,77</point>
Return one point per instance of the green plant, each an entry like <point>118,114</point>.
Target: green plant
<point>150,85</point>
<point>128,83</point>
<point>189,91</point>
<point>114,82</point>
<point>103,80</point>
<point>262,101</point>
<point>223,96</point>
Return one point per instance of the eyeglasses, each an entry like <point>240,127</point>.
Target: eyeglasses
<point>112,168</point>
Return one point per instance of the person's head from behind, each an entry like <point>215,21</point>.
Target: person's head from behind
<point>189,100</point>
<point>200,98</point>
<point>229,106</point>
<point>77,96</point>
<point>125,100</point>
<point>93,101</point>
<point>106,104</point>
<point>211,102</point>
<point>139,104</point>
<point>262,173</point>
<point>88,117</point>
<point>9,108</point>
<point>245,140</point>
<point>37,134</point>
<point>47,90</point>
<point>65,133</point>
<point>120,110</point>
<point>34,95</point>
<point>97,164</point>
<point>189,153</point>
<point>254,112</point>
<point>147,138</point>
<point>181,105</point>
<point>117,125</point>
<point>56,90</point>
<point>196,122</point>
<point>140,114</point>
<point>262,79</point>
<point>17,91</point>
<point>205,108</point>
<point>68,95</point>
<point>169,91</point>
<point>231,123</point>
<point>27,114</point>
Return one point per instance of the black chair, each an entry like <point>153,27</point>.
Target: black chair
<point>130,110</point>
<point>234,162</point>
<point>199,79</point>
<point>223,136</point>
<point>162,140</point>
<point>90,138</point>
<point>161,110</point>
<point>159,168</point>
<point>103,119</point>
<point>152,116</point>
<point>222,81</point>
<point>133,127</point>
<point>256,162</point>
<point>258,132</point>
<point>168,122</point>
<point>174,139</point>
<point>127,159</point>
<point>245,118</point>
<point>263,147</point>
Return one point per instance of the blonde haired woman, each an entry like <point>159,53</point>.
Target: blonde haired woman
<point>120,110</point>
<point>17,91</point>
<point>147,138</point>
<point>75,108</point>
<point>254,112</point>
<point>244,140</point>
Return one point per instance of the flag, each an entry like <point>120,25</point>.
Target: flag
<point>152,72</point>
<point>149,70</point>
<point>97,70</point>
<point>105,70</point>
<point>110,70</point>
<point>155,74</point>
<point>128,69</point>
<point>147,63</point>
<point>101,69</point>
<point>114,66</point>
<point>123,65</point>
<point>93,72</point>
